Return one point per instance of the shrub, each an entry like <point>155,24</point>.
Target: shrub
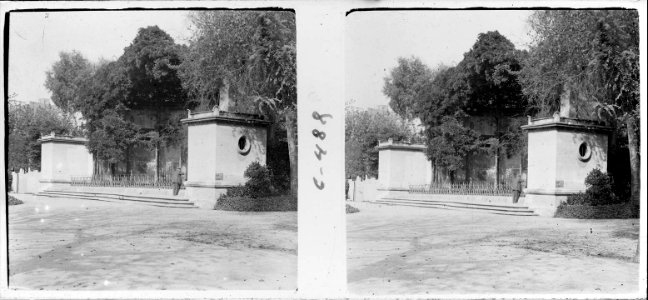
<point>600,188</point>
<point>259,183</point>
<point>351,210</point>
<point>237,191</point>
<point>611,211</point>
<point>13,200</point>
<point>599,191</point>
<point>247,203</point>
<point>577,199</point>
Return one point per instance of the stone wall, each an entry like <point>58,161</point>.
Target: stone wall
<point>25,182</point>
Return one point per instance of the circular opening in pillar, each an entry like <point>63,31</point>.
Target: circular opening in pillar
<point>244,145</point>
<point>584,152</point>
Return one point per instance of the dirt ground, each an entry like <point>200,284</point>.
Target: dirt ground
<point>70,244</point>
<point>404,250</point>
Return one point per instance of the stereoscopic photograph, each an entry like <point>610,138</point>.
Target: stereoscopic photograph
<point>152,150</point>
<point>492,152</point>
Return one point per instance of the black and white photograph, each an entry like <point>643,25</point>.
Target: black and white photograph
<point>492,152</point>
<point>151,149</point>
<point>441,149</point>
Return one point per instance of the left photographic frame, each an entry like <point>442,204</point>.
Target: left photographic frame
<point>151,149</point>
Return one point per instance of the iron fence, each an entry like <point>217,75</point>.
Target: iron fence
<point>476,188</point>
<point>162,181</point>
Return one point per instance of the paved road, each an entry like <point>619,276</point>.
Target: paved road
<point>70,244</point>
<point>403,250</point>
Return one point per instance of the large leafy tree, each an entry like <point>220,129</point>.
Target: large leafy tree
<point>248,58</point>
<point>150,65</point>
<point>363,129</point>
<point>66,79</point>
<point>144,77</point>
<point>595,55</point>
<point>484,83</point>
<point>408,86</point>
<point>489,71</point>
<point>449,144</point>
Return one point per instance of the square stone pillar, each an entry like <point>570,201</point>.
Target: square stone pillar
<point>561,152</point>
<point>401,165</point>
<point>63,157</point>
<point>220,146</point>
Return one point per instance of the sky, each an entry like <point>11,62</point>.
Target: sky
<point>36,38</point>
<point>376,39</point>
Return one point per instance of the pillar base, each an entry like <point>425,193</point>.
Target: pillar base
<point>544,202</point>
<point>205,195</point>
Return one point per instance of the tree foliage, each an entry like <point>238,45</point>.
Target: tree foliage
<point>450,143</point>
<point>250,56</point>
<point>407,87</point>
<point>27,122</point>
<point>150,65</point>
<point>143,77</point>
<point>252,52</point>
<point>490,70</point>
<point>484,83</point>
<point>363,130</point>
<point>66,78</point>
<point>594,54</point>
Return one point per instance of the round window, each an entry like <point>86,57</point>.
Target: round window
<point>584,152</point>
<point>244,145</point>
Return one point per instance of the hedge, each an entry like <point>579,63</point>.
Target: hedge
<point>247,203</point>
<point>14,201</point>
<point>612,211</point>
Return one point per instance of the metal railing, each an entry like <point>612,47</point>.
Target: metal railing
<point>477,188</point>
<point>163,181</point>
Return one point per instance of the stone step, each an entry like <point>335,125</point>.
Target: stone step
<point>122,195</point>
<point>512,206</point>
<point>161,202</point>
<point>494,209</point>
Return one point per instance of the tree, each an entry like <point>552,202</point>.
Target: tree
<point>249,58</point>
<point>490,70</point>
<point>595,55</point>
<point>150,65</point>
<point>407,85</point>
<point>112,138</point>
<point>144,77</point>
<point>27,122</point>
<point>66,78</point>
<point>449,144</point>
<point>363,130</point>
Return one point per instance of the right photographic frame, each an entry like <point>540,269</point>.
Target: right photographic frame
<point>492,151</point>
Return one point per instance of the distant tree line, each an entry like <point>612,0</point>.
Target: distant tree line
<point>364,128</point>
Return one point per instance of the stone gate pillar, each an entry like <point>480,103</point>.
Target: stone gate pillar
<point>220,146</point>
<point>401,165</point>
<point>561,152</point>
<point>63,157</point>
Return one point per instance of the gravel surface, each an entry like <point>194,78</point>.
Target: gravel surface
<point>404,250</point>
<point>71,244</point>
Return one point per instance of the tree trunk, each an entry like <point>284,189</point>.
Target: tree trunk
<point>223,96</point>
<point>467,168</point>
<point>497,169</point>
<point>433,179</point>
<point>633,148</point>
<point>291,136</point>
<point>128,160</point>
<point>157,161</point>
